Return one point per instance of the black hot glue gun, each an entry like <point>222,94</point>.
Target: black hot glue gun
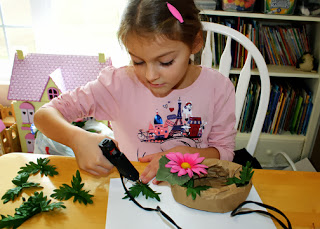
<point>118,159</point>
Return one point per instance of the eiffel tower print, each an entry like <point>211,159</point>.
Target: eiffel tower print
<point>176,129</point>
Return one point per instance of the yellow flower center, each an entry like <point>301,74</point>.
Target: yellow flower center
<point>185,165</point>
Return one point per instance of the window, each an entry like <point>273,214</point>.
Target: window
<point>15,32</point>
<point>75,27</point>
<point>52,93</point>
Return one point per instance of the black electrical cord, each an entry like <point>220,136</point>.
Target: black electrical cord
<point>158,209</point>
<point>239,211</point>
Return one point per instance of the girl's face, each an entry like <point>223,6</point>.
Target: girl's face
<point>161,64</point>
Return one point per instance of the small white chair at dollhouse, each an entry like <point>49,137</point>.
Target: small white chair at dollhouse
<point>244,76</point>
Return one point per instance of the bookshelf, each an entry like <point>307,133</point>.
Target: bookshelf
<point>296,146</point>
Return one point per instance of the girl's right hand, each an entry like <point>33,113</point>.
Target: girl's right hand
<point>89,155</point>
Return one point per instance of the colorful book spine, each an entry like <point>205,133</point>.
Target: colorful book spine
<point>289,55</point>
<point>296,115</point>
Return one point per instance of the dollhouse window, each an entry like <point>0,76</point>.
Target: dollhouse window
<point>52,93</point>
<point>27,112</point>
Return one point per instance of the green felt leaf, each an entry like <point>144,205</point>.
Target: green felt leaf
<point>41,165</point>
<point>21,181</point>
<point>164,174</point>
<point>245,176</point>
<point>146,191</point>
<point>11,194</point>
<point>65,192</point>
<point>194,191</point>
<point>34,205</point>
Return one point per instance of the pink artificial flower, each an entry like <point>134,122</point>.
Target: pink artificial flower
<point>185,163</point>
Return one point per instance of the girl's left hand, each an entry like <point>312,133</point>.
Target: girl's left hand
<point>151,170</point>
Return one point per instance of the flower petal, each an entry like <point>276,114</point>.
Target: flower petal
<point>172,157</point>
<point>186,156</point>
<point>182,172</point>
<point>201,166</point>
<point>189,158</point>
<point>190,173</point>
<point>170,164</point>
<point>177,157</point>
<point>199,170</point>
<point>175,169</point>
<point>195,156</point>
<point>199,160</point>
<point>172,170</point>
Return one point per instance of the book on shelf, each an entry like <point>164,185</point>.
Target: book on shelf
<point>273,108</point>
<point>279,45</point>
<point>286,47</point>
<point>296,114</point>
<point>289,108</point>
<point>284,113</point>
<point>305,124</point>
<point>281,110</point>
<point>268,114</point>
<point>308,98</point>
<point>246,110</point>
<point>255,105</point>
<point>276,111</point>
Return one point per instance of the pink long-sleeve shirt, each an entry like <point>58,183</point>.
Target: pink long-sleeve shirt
<point>201,115</point>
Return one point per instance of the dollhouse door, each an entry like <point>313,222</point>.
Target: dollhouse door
<point>30,142</point>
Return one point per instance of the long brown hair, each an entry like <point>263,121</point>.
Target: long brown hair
<point>152,18</point>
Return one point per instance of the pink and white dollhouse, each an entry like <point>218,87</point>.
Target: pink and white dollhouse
<point>38,78</point>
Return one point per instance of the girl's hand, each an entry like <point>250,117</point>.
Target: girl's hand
<point>151,170</point>
<point>89,155</point>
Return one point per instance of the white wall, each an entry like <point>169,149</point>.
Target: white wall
<point>3,94</point>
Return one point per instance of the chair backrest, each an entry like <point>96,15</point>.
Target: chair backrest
<point>245,74</point>
<point>9,139</point>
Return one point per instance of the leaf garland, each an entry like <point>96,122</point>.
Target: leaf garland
<point>146,191</point>
<point>164,174</point>
<point>245,176</point>
<point>21,182</point>
<point>42,166</point>
<point>194,191</point>
<point>65,191</point>
<point>34,205</point>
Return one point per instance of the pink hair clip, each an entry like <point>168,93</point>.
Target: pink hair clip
<point>175,12</point>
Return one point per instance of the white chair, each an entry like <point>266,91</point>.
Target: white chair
<point>244,77</point>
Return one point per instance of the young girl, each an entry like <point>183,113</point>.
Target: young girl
<point>161,103</point>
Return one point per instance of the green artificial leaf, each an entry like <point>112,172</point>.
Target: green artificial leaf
<point>194,191</point>
<point>146,191</point>
<point>11,194</point>
<point>34,205</point>
<point>21,181</point>
<point>42,166</point>
<point>164,174</point>
<point>245,176</point>
<point>79,124</point>
<point>65,191</point>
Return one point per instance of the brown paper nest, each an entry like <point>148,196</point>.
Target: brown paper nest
<point>220,198</point>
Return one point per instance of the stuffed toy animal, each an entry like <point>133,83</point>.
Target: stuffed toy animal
<point>307,63</point>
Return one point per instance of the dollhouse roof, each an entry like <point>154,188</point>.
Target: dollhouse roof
<point>31,75</point>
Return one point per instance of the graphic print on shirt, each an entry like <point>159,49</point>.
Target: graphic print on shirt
<point>179,124</point>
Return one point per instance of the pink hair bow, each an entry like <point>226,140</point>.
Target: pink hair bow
<point>175,12</point>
